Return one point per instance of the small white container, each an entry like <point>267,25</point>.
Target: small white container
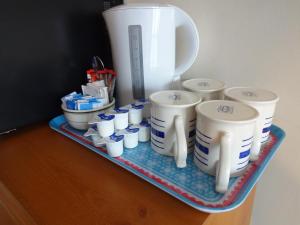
<point>114,145</point>
<point>121,118</point>
<point>136,114</point>
<point>105,124</point>
<point>146,104</point>
<point>144,131</point>
<point>131,137</point>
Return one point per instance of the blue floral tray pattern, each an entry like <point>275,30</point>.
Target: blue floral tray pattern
<point>189,185</point>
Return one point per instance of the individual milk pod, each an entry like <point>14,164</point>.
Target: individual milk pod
<point>105,124</point>
<point>264,102</point>
<point>224,138</point>
<point>173,120</point>
<point>136,113</point>
<point>121,118</point>
<point>146,103</point>
<point>207,89</point>
<point>131,137</point>
<point>114,145</point>
<point>144,131</point>
<point>93,133</point>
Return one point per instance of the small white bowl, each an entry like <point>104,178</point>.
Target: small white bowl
<point>79,118</point>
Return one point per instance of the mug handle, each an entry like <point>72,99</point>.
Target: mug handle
<point>224,163</point>
<point>180,152</point>
<point>255,148</point>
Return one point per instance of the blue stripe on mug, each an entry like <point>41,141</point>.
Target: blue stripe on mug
<point>158,119</point>
<point>244,154</point>
<point>202,140</point>
<point>269,118</point>
<point>196,157</point>
<point>157,124</point>
<point>152,138</point>
<point>201,147</point>
<point>248,139</point>
<point>247,144</point>
<point>156,145</point>
<point>266,129</point>
<point>157,133</point>
<point>198,154</point>
<point>203,134</point>
<point>192,133</point>
<point>264,141</point>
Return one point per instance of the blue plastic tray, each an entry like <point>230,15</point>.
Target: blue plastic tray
<point>189,185</point>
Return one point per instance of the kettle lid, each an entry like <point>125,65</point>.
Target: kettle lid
<point>137,6</point>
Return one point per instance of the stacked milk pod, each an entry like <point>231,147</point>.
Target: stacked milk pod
<point>119,128</point>
<point>226,134</point>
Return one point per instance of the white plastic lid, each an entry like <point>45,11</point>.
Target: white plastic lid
<point>174,98</point>
<point>227,111</point>
<point>136,6</point>
<point>203,85</point>
<point>251,95</point>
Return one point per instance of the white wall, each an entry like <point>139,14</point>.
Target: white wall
<point>257,43</point>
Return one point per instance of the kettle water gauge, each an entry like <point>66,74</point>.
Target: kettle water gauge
<point>136,61</point>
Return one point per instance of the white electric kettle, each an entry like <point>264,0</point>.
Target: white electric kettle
<point>152,45</point>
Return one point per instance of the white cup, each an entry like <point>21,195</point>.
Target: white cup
<point>105,124</point>
<point>144,132</point>
<point>146,104</point>
<point>131,137</point>
<point>264,102</point>
<point>121,118</point>
<point>136,114</point>
<point>173,120</point>
<point>207,89</point>
<point>223,139</point>
<point>114,145</point>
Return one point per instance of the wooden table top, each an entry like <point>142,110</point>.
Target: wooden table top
<point>59,182</point>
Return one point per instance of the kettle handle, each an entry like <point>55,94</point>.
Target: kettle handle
<point>187,41</point>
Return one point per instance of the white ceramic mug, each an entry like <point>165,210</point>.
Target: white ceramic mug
<point>173,120</point>
<point>264,102</point>
<point>207,89</point>
<point>223,139</point>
